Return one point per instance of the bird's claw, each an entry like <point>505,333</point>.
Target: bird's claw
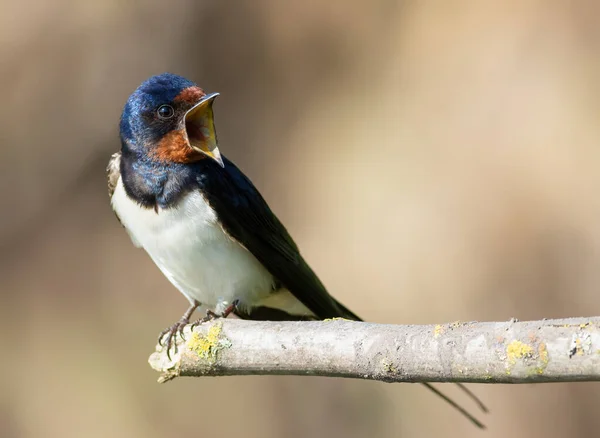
<point>171,332</point>
<point>210,315</point>
<point>171,335</point>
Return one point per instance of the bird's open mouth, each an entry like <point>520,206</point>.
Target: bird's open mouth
<point>200,128</point>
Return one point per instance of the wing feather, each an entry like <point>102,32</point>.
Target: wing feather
<point>247,218</point>
<point>113,172</point>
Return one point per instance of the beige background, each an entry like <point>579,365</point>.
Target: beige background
<point>435,161</point>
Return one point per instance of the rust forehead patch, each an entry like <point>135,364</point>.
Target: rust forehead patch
<point>174,148</point>
<point>190,95</point>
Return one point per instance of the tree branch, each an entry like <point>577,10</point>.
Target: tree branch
<point>491,352</point>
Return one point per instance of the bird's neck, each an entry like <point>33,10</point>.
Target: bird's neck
<point>154,184</point>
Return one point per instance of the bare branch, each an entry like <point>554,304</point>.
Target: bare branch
<point>491,352</point>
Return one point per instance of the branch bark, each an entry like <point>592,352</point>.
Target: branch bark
<point>491,352</point>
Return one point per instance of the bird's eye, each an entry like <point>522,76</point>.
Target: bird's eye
<point>165,111</point>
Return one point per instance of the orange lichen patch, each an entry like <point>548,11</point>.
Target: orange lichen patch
<point>190,95</point>
<point>174,148</point>
<point>544,359</point>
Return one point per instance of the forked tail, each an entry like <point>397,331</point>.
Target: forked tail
<point>348,314</point>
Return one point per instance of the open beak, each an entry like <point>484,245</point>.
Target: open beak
<point>200,128</point>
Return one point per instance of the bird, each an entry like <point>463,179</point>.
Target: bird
<point>203,222</point>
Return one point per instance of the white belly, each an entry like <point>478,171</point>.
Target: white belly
<point>194,253</point>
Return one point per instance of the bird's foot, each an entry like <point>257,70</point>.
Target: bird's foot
<point>210,315</point>
<point>170,333</point>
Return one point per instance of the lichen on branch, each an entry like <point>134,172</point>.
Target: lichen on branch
<point>491,352</point>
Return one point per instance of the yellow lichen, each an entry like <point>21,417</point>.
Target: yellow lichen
<point>438,330</point>
<point>518,350</point>
<point>389,367</point>
<point>208,346</point>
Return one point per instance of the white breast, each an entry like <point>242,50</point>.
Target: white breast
<point>191,249</point>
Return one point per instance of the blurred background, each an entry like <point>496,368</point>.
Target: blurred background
<point>435,161</point>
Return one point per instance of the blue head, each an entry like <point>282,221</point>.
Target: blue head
<point>169,119</point>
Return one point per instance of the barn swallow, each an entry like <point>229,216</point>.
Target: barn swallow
<point>202,221</point>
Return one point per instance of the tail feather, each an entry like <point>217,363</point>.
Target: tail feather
<point>348,314</point>
<point>345,312</point>
<point>271,314</point>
